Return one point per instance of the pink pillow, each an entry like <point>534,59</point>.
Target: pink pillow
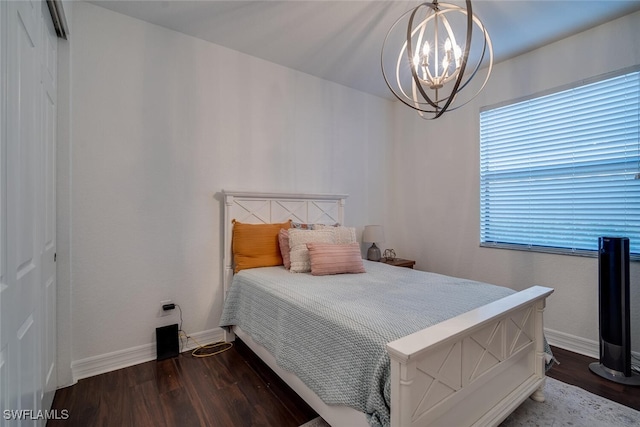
<point>283,239</point>
<point>328,258</point>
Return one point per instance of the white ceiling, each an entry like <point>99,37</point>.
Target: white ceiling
<point>341,40</point>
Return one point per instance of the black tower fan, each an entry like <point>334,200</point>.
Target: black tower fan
<point>615,333</point>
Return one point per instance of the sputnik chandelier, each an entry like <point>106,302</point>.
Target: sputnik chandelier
<point>429,68</point>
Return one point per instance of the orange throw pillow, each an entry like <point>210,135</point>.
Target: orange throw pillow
<point>256,245</point>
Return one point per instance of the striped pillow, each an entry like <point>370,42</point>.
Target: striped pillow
<point>298,240</point>
<point>327,258</point>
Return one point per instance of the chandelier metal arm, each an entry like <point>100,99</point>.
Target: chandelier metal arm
<point>463,64</point>
<point>412,67</point>
<point>479,63</point>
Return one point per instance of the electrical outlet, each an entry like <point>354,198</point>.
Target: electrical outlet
<point>163,312</point>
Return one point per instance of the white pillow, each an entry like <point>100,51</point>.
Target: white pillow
<point>345,235</point>
<point>298,239</point>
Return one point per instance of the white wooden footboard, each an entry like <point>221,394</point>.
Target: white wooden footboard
<point>474,369</point>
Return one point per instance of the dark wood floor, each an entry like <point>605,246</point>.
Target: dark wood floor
<point>574,370</point>
<point>232,389</point>
<point>236,389</point>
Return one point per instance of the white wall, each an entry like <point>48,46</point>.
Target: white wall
<point>159,123</point>
<point>436,167</point>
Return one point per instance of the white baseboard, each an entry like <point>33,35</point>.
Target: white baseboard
<point>96,365</point>
<point>576,344</point>
<point>573,343</point>
<point>100,364</point>
<point>201,338</point>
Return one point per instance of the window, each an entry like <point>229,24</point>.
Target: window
<point>559,170</point>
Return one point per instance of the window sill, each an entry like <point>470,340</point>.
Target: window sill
<point>549,250</point>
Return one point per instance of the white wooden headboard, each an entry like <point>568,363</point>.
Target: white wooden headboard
<point>265,208</point>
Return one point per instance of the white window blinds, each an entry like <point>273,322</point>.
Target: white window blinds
<point>560,170</point>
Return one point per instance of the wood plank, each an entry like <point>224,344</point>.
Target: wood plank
<point>147,406</point>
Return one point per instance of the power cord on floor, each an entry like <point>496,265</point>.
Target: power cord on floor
<point>201,350</point>
<point>210,349</point>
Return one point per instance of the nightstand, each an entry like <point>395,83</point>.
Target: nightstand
<point>399,262</point>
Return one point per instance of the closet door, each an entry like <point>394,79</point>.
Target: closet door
<point>27,212</point>
<point>47,209</point>
<point>21,275</point>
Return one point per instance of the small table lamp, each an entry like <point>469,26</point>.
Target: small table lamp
<point>373,234</point>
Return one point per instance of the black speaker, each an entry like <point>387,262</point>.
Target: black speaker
<point>167,342</point>
<point>615,331</point>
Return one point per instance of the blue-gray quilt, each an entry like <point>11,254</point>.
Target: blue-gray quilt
<point>331,331</point>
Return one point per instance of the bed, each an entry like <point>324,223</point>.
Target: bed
<point>474,368</point>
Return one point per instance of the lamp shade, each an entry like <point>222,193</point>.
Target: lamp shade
<point>373,233</point>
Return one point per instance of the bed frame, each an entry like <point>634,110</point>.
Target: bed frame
<point>471,370</point>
